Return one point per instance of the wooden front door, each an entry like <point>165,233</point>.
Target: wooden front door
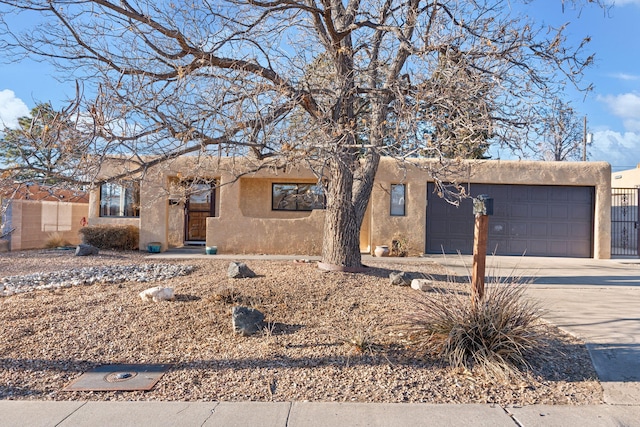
<point>199,206</point>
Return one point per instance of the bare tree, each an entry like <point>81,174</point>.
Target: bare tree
<point>240,77</point>
<point>561,134</point>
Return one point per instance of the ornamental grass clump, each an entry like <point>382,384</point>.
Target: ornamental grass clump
<point>494,337</point>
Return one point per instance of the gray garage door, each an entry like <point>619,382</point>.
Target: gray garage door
<point>531,219</point>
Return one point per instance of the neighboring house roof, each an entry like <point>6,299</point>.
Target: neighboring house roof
<point>626,179</point>
<point>43,192</point>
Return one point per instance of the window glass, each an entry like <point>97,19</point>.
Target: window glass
<point>120,199</point>
<point>397,199</point>
<point>297,197</point>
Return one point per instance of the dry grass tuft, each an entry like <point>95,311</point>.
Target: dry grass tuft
<point>55,240</point>
<point>496,338</point>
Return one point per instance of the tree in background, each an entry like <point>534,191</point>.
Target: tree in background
<point>562,134</point>
<point>332,84</point>
<point>46,148</point>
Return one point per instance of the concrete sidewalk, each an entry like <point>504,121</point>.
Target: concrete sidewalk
<point>305,414</point>
<point>596,300</point>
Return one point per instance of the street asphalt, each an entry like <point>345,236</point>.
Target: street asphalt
<point>595,300</point>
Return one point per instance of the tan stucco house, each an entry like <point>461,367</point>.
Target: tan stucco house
<point>629,178</point>
<point>540,208</point>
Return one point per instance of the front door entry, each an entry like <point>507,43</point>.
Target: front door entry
<point>199,206</point>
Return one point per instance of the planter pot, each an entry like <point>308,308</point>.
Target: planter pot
<point>211,250</point>
<point>381,251</point>
<point>154,247</point>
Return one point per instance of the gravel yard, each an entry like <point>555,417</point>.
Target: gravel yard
<point>329,337</point>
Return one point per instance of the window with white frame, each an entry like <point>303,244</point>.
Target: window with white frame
<point>120,199</point>
<point>398,200</point>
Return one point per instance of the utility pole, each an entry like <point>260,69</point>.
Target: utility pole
<point>584,141</point>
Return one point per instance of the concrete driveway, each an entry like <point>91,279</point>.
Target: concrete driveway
<point>596,300</point>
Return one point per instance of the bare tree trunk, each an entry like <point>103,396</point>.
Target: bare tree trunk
<point>341,243</point>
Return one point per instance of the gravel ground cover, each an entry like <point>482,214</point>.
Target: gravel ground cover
<point>329,337</point>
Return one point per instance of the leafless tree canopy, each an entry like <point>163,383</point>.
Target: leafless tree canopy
<point>563,133</point>
<point>333,83</point>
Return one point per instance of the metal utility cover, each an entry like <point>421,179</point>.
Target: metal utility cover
<point>134,377</point>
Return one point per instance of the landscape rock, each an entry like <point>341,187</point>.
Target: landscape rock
<point>239,270</point>
<point>246,321</point>
<point>157,294</point>
<point>400,278</point>
<point>89,275</point>
<point>421,284</point>
<point>85,250</point>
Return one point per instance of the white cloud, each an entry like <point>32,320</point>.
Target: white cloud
<point>11,108</point>
<point>627,107</point>
<point>626,77</point>
<point>621,150</point>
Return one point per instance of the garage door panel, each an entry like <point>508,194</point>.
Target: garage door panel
<point>560,194</point>
<point>518,210</point>
<point>558,248</point>
<point>538,211</point>
<point>517,247</point>
<point>517,229</point>
<point>536,194</point>
<point>538,220</point>
<point>538,229</point>
<point>579,249</point>
<point>583,214</point>
<point>559,230</point>
<point>559,212</point>
<point>580,231</point>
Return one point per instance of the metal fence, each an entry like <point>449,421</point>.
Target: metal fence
<point>624,221</point>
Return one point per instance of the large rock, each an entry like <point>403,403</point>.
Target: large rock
<point>239,270</point>
<point>246,321</point>
<point>157,294</point>
<point>400,278</point>
<point>85,250</point>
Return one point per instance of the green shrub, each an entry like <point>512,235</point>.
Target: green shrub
<point>118,237</point>
<point>496,338</point>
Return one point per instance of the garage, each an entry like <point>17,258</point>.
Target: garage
<point>538,220</point>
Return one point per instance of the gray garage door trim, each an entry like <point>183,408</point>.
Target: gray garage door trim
<point>533,219</point>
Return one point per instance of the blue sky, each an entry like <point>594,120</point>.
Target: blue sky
<point>612,109</point>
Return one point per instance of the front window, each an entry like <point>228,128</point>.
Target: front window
<point>297,197</point>
<point>120,199</point>
<point>397,200</point>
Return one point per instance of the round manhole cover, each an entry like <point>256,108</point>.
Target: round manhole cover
<point>116,377</point>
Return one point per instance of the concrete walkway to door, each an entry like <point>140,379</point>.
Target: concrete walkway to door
<point>595,300</point>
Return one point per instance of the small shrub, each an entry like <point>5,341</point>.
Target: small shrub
<point>361,339</point>
<point>495,338</point>
<point>400,246</point>
<point>118,237</point>
<point>55,240</point>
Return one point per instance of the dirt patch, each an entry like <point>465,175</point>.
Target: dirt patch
<point>329,337</point>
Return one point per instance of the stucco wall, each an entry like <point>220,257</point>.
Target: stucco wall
<point>247,224</point>
<point>36,221</point>
<point>626,179</point>
<point>385,228</point>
